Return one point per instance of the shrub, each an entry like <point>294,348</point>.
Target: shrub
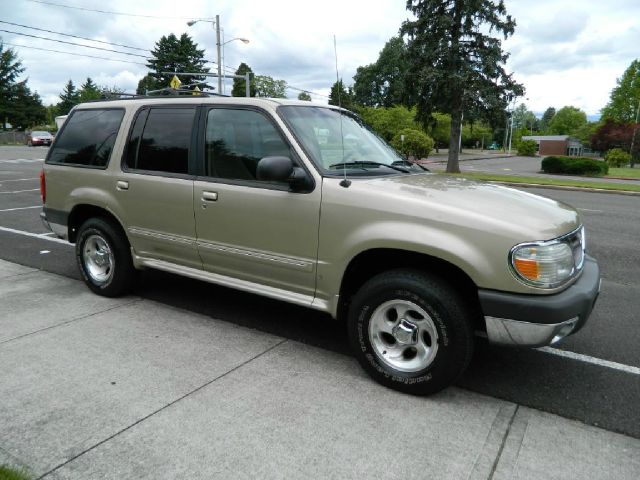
<point>617,158</point>
<point>575,166</point>
<point>527,148</point>
<point>416,143</point>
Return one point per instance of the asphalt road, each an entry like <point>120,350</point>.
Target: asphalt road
<point>581,388</point>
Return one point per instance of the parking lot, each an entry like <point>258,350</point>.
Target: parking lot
<point>296,359</point>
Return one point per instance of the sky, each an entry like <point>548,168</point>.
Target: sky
<point>565,52</point>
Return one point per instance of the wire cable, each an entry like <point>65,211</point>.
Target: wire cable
<point>72,43</point>
<point>75,36</point>
<point>75,54</point>
<point>84,9</point>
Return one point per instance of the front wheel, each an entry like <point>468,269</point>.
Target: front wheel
<point>411,331</point>
<point>104,258</point>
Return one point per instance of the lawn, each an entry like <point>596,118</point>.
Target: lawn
<point>624,172</point>
<point>552,181</point>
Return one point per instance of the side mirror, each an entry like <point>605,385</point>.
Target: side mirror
<point>281,169</point>
<point>274,169</point>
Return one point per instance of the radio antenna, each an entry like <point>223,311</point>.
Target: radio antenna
<point>344,183</point>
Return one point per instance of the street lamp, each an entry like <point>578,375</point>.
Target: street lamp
<point>224,61</point>
<point>216,25</point>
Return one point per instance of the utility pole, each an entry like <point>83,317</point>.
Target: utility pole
<point>218,45</point>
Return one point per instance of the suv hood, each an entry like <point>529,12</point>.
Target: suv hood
<point>453,199</point>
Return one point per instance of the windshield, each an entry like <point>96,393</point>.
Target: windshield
<point>320,131</point>
<point>43,134</point>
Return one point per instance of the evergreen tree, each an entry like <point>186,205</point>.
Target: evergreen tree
<point>27,107</point>
<point>173,54</point>
<point>304,96</point>
<point>454,64</point>
<point>625,97</point>
<point>341,96</point>
<point>239,85</point>
<point>89,91</point>
<point>10,69</point>
<point>547,116</point>
<point>69,97</point>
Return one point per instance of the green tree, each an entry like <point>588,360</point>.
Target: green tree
<point>304,96</point>
<point>567,121</point>
<point>523,118</point>
<point>69,98</point>
<point>27,107</point>
<point>547,116</point>
<point>267,86</point>
<point>10,69</point>
<point>382,84</point>
<point>146,84</point>
<point>387,122</point>
<point>239,85</point>
<point>341,96</point>
<point>173,54</point>
<point>89,91</point>
<point>625,97</point>
<point>455,65</point>
<point>440,129</point>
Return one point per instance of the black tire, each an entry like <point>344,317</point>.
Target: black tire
<point>448,324</point>
<point>109,272</point>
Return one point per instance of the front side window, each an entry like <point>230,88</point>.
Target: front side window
<point>160,140</point>
<point>88,138</point>
<point>236,140</point>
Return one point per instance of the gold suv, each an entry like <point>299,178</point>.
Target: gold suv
<point>304,203</point>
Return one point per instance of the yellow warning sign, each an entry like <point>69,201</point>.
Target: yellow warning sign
<point>196,91</point>
<point>175,83</point>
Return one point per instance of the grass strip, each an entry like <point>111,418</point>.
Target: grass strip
<point>624,172</point>
<point>551,181</point>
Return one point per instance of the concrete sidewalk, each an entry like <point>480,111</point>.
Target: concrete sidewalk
<point>129,388</point>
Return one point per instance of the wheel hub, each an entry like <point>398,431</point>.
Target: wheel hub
<point>403,335</point>
<point>405,332</point>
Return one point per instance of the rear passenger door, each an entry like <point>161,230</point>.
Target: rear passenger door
<point>155,185</point>
<point>248,229</point>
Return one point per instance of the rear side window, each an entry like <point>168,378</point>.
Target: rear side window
<point>160,140</point>
<point>88,138</point>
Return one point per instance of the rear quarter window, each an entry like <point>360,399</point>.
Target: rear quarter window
<point>87,139</point>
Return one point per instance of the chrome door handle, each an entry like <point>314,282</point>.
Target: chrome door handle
<point>122,185</point>
<point>209,196</point>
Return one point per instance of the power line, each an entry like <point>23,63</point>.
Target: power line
<point>75,36</point>
<point>71,53</point>
<point>73,7</point>
<point>73,43</point>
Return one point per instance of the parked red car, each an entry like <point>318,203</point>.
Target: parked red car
<point>36,138</point>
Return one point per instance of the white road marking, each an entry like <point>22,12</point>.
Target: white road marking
<point>44,252</point>
<point>593,360</point>
<point>589,210</point>
<point>18,180</point>
<point>46,234</point>
<point>42,236</point>
<point>22,191</point>
<point>19,208</point>
<point>23,160</point>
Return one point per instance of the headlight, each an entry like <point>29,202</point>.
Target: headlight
<point>549,264</point>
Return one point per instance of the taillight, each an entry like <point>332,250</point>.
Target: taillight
<point>43,187</point>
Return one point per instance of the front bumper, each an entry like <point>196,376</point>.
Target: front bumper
<point>537,320</point>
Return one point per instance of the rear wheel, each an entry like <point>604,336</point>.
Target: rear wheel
<point>411,331</point>
<point>104,258</point>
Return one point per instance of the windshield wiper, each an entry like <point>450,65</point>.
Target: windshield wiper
<point>410,164</point>
<point>362,163</point>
